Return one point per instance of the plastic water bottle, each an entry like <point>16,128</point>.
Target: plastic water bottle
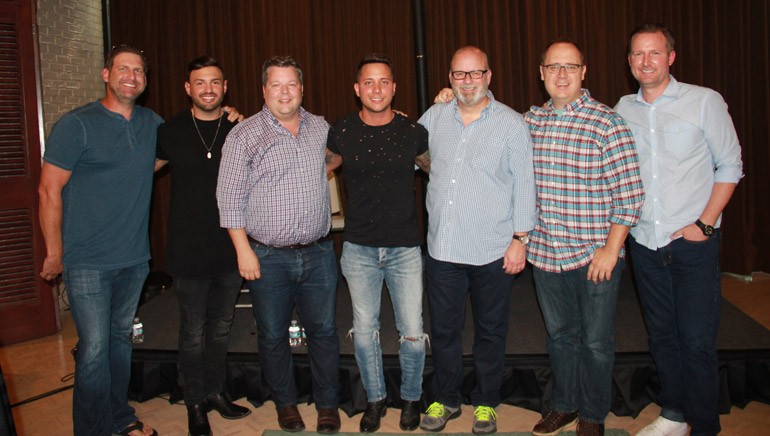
<point>295,338</point>
<point>137,333</point>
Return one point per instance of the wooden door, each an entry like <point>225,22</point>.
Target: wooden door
<point>28,308</point>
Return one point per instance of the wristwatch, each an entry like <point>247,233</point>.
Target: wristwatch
<point>705,228</point>
<point>524,239</point>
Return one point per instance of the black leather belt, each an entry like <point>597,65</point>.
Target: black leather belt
<point>328,237</point>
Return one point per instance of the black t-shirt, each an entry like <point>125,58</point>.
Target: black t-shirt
<point>378,166</point>
<point>197,246</point>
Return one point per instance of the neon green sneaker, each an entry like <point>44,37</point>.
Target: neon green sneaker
<point>437,415</point>
<point>484,420</point>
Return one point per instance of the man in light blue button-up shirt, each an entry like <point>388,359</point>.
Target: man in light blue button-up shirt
<point>481,204</point>
<point>690,163</point>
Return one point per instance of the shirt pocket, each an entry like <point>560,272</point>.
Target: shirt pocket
<point>489,155</point>
<point>679,138</point>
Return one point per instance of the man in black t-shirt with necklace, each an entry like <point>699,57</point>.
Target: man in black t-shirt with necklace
<point>200,256</point>
<point>379,149</point>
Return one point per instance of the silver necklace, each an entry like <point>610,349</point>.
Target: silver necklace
<point>207,147</point>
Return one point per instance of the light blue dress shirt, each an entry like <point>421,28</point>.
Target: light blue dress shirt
<point>482,186</point>
<point>686,142</point>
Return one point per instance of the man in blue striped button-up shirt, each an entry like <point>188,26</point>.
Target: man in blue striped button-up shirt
<point>481,198</point>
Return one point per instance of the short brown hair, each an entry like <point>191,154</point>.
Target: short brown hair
<point>281,62</point>
<point>653,28</point>
<point>124,48</point>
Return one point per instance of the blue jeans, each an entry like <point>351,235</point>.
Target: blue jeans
<point>206,312</point>
<point>103,304</point>
<point>307,278</point>
<point>580,319</point>
<point>490,292</point>
<point>680,291</point>
<point>365,268</point>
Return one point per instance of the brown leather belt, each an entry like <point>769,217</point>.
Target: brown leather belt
<point>328,237</point>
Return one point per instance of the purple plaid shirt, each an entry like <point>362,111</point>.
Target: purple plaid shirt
<point>274,184</point>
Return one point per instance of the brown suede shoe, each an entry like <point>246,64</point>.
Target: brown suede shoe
<point>328,421</point>
<point>585,428</point>
<point>289,419</point>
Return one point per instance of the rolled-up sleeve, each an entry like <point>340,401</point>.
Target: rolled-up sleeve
<point>722,140</point>
<point>233,183</point>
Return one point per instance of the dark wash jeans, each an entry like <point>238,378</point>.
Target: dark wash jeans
<point>490,292</point>
<point>206,312</point>
<point>580,319</point>
<point>680,291</point>
<point>103,304</point>
<point>307,278</point>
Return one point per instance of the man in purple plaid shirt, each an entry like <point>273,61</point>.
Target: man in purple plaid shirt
<point>273,198</point>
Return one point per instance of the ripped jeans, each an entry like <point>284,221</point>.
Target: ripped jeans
<point>365,268</point>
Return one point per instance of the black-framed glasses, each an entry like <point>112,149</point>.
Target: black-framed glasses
<point>569,68</point>
<point>475,74</point>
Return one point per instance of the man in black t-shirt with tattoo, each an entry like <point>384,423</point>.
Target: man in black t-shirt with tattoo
<point>200,256</point>
<point>379,149</point>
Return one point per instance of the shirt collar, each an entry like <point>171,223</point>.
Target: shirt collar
<point>489,108</point>
<point>571,107</point>
<point>671,91</point>
<point>303,114</point>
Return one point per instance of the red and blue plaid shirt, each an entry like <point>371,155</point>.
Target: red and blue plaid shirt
<point>587,177</point>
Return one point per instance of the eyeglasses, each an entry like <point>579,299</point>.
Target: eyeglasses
<point>569,68</point>
<point>475,74</point>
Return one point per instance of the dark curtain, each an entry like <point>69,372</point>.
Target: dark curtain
<point>721,44</point>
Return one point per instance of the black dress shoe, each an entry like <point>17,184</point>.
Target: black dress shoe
<point>410,415</point>
<point>370,422</point>
<point>197,421</point>
<point>226,408</point>
<point>289,419</point>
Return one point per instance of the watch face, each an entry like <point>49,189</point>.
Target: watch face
<point>708,230</point>
<point>524,240</point>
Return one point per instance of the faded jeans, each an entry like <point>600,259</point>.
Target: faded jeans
<point>365,268</point>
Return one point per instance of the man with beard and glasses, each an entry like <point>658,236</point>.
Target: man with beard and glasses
<point>95,189</point>
<point>379,149</point>
<point>200,256</point>
<point>481,204</point>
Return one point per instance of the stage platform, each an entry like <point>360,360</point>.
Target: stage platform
<point>743,344</point>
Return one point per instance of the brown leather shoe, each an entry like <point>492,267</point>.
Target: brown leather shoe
<point>289,419</point>
<point>328,421</point>
<point>554,422</point>
<point>585,428</point>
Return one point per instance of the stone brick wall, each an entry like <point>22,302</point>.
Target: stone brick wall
<point>71,55</point>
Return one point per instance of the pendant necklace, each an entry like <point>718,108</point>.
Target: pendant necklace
<point>207,147</point>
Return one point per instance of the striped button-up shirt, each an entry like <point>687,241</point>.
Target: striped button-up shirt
<point>274,184</point>
<point>481,186</point>
<point>587,176</point>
